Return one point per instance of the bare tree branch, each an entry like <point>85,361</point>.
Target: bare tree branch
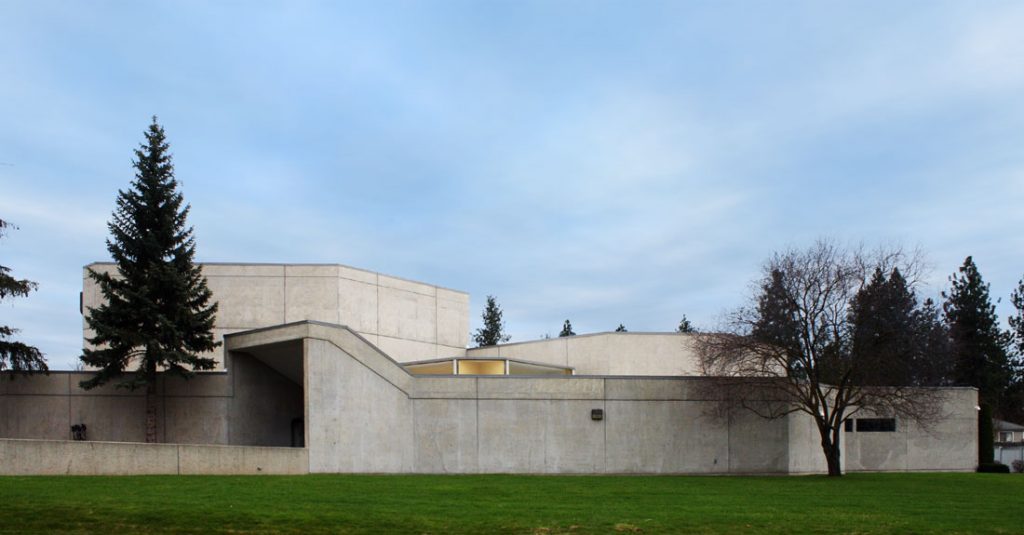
<point>792,349</point>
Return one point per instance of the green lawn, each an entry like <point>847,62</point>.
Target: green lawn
<point>860,503</point>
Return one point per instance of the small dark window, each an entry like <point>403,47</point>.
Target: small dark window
<point>876,425</point>
<point>848,426</point>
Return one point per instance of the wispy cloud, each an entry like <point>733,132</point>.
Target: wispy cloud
<point>608,164</point>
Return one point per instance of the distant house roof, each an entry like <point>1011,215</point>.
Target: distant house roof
<point>1002,425</point>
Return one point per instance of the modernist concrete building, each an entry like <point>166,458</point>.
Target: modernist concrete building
<point>327,368</point>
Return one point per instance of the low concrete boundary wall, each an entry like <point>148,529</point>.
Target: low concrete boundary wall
<point>64,457</point>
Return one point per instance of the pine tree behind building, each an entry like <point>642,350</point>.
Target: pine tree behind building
<point>493,331</point>
<point>979,345</point>
<point>566,330</point>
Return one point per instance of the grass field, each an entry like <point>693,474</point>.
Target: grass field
<point>859,503</point>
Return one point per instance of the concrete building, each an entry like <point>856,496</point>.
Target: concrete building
<point>335,369</point>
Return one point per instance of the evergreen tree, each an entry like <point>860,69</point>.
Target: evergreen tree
<point>16,356</point>
<point>979,345</point>
<point>493,331</point>
<point>566,330</point>
<point>157,314</point>
<point>934,361</point>
<point>1017,320</point>
<point>621,328</point>
<point>777,321</point>
<point>685,326</point>
<point>1015,412</point>
<point>883,318</point>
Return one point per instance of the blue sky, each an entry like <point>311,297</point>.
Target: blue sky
<point>605,162</point>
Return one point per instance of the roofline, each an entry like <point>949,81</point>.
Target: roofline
<point>1006,426</point>
<point>315,264</point>
<point>556,338</point>
<point>519,361</point>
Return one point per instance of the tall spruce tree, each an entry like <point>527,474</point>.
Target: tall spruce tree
<point>493,331</point>
<point>157,314</point>
<point>934,363</point>
<point>14,355</point>
<point>979,346</point>
<point>883,318</point>
<point>685,326</point>
<point>776,320</point>
<point>566,330</point>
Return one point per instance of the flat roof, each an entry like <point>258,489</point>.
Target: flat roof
<point>285,264</point>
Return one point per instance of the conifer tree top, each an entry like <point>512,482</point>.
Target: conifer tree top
<point>493,331</point>
<point>157,314</point>
<point>979,345</point>
<point>566,330</point>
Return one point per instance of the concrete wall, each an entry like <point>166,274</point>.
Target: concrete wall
<point>408,320</point>
<point>366,414</point>
<point>805,453</point>
<point>949,444</point>
<point>253,405</point>
<point>358,421</point>
<point>647,354</point>
<point>54,457</point>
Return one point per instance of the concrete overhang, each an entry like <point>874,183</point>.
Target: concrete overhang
<point>279,347</point>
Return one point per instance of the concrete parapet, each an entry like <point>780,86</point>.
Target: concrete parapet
<point>231,460</point>
<point>428,387</point>
<point>635,354</point>
<point>556,387</point>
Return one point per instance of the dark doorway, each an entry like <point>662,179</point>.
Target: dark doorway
<point>298,433</point>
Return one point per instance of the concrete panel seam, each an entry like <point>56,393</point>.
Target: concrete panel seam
<point>477,425</point>
<point>415,445</point>
<point>604,426</point>
<point>728,443</point>
<point>69,406</point>
<point>547,413</point>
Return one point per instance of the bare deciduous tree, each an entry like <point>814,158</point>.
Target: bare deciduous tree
<point>792,350</point>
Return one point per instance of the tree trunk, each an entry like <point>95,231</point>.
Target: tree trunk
<point>150,402</point>
<point>830,446</point>
<point>832,458</point>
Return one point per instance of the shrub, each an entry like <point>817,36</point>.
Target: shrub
<point>994,468</point>
<point>1018,466</point>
